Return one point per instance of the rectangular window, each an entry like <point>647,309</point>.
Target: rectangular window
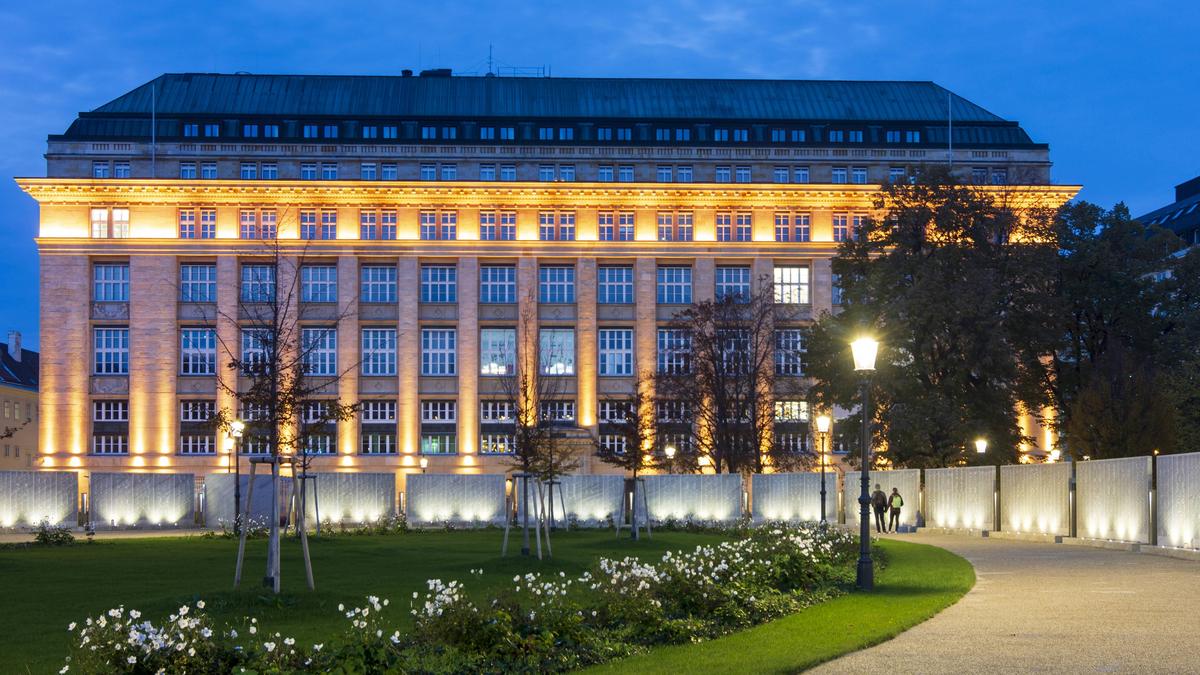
<point>268,218</point>
<point>791,411</point>
<point>566,172</point>
<point>778,135</point>
<point>783,227</point>
<point>256,351</point>
<point>683,174</point>
<point>208,224</point>
<point>439,284</point>
<point>247,224</point>
<point>674,351</point>
<point>741,174</point>
<point>249,171</point>
<point>625,173</point>
<point>836,281</point>
<point>855,136</point>
<point>837,136</point>
<point>604,173</point>
<point>439,350</point>
<point>212,130</point>
<point>508,226</point>
<point>387,225</point>
<point>733,284</point>
<point>208,170</point>
<point>191,130</point>
<point>721,135</point>
<point>912,136</point>
<point>556,351</point>
<point>439,444</point>
<point>308,171</point>
<point>271,131</point>
<point>546,172</point>
<point>318,283</point>
<point>258,283</point>
<point>269,171</point>
<point>896,174</point>
<point>369,132</point>
<point>428,172</point>
<point>368,225</point>
<point>841,227</point>
<point>121,170</point>
<point>308,224</point>
<point>487,172</point>
<point>110,350</point>
<point>378,284</point>
<point>999,176</point>
<point>497,351</point>
<point>110,411</point>
<point>892,136</point>
<point>379,351</point>
<point>556,411</point>
<point>450,133</point>
<point>496,411</point>
<point>604,134</point>
<point>110,282</point>
<point>780,174</point>
<point>724,227</point>
<point>858,175</point>
<point>508,133</point>
<point>449,171</point>
<point>744,227</point>
<point>605,226</point>
<point>439,411</point>
<point>858,222</point>
<point>566,226</point>
<point>800,174</point>
<point>496,444</point>
<point>366,171</point>
<point>187,224</point>
<point>197,351</point>
<point>319,347</point>
<point>614,285</point>
<point>508,172</point>
<point>329,224</point>
<point>487,133</point>
<point>666,226</point>
<point>497,284</point>
<point>616,351</point>
<point>388,171</point>
<point>197,283</point>
<point>791,285</point>
<point>789,352</point>
<point>187,170</point>
<point>428,133</point>
<point>487,226</point>
<point>624,134</point>
<point>741,135</point>
<point>449,229</point>
<point>723,174</point>
<point>674,285</point>
<point>664,174</point>
<point>428,223</point>
<point>625,226</point>
<point>838,176</point>
<point>377,440</point>
<point>556,284</point>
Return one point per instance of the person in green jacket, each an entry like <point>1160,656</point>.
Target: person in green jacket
<point>895,503</point>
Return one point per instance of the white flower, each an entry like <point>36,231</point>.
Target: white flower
<point>64,669</point>
<point>289,641</point>
<point>233,633</point>
<point>253,630</point>
<point>206,633</point>
<point>317,647</point>
<point>134,614</point>
<point>269,646</point>
<point>131,659</point>
<point>342,608</point>
<point>199,604</point>
<point>71,627</point>
<point>183,610</point>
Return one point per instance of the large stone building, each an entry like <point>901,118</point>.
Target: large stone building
<point>19,399</point>
<point>426,215</point>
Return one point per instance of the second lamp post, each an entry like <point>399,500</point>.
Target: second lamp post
<point>864,350</point>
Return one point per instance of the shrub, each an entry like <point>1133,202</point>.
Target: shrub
<point>52,535</point>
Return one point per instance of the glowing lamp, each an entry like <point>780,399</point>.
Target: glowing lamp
<point>424,463</point>
<point>229,444</point>
<point>1055,455</point>
<point>981,445</point>
<point>236,428</point>
<point>823,424</point>
<point>669,451</point>
<point>864,350</point>
<point>704,460</point>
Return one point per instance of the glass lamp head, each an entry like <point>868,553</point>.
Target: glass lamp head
<point>823,424</point>
<point>236,428</point>
<point>981,445</point>
<point>669,451</point>
<point>864,350</point>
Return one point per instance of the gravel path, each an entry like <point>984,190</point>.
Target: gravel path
<point>1046,608</point>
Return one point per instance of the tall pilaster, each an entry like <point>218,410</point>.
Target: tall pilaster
<point>468,359</point>
<point>408,359</point>
<point>153,359</point>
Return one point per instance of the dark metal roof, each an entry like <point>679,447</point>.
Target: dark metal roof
<point>200,94</point>
<point>1183,215</point>
<point>23,373</point>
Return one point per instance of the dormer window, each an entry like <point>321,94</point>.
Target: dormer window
<point>191,130</point>
<point>625,134</point>
<point>428,133</point>
<point>604,134</point>
<point>450,133</point>
<point>487,133</point>
<point>837,136</point>
<point>912,137</point>
<point>310,131</point>
<point>249,131</point>
<point>370,132</point>
<point>545,134</point>
<point>741,135</point>
<point>566,134</point>
<point>721,135</point>
<point>683,134</point>
<point>270,131</point>
<point>662,135</point>
<point>855,136</point>
<point>212,130</point>
<point>331,131</point>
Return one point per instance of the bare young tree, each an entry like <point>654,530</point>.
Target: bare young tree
<point>626,439</point>
<point>727,363</point>
<point>282,370</point>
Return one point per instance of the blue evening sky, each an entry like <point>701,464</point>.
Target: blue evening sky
<point>1111,86</point>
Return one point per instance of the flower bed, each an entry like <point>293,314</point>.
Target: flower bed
<point>542,623</point>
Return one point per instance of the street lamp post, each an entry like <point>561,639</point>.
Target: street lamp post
<point>424,464</point>
<point>823,422</point>
<point>236,428</point>
<point>864,350</point>
<point>669,451</point>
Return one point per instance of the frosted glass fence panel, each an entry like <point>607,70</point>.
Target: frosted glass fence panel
<point>436,498</point>
<point>589,500</point>
<point>793,497</point>
<point>218,498</point>
<point>961,497</point>
<point>29,497</point>
<point>1113,499</point>
<point>143,499</point>
<point>1036,498</point>
<point>704,497</point>
<point>350,497</point>
<point>907,481</point>
<point>1179,500</point>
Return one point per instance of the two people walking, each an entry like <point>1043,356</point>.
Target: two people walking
<point>883,504</point>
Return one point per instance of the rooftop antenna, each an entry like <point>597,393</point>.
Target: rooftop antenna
<point>490,58</point>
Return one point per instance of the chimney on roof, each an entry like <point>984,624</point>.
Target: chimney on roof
<point>14,345</point>
<point>1187,189</point>
<point>407,72</point>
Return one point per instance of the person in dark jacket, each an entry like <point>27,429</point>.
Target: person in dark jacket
<point>895,503</point>
<point>879,502</point>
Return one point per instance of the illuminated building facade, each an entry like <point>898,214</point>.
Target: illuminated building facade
<point>426,215</point>
<point>18,403</point>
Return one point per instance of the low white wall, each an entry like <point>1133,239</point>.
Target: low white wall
<point>962,497</point>
<point>350,497</point>
<point>1113,499</point>
<point>589,500</point>
<point>1036,498</point>
<point>1179,500</point>
<point>794,497</point>
<point>697,497</point>
<point>436,498</point>
<point>29,497</point>
<point>218,498</point>
<point>129,499</point>
<point>907,481</point>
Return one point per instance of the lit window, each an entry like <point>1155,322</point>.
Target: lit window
<point>439,351</point>
<point>378,351</point>
<point>614,285</point>
<point>439,284</point>
<point>790,352</point>
<point>378,284</point>
<point>439,444</point>
<point>616,351</point>
<point>674,351</point>
<point>110,282</point>
<point>791,285</point>
<point>319,351</point>
<point>110,350</point>
<point>791,411</point>
<point>556,351</point>
<point>197,351</point>
<point>556,284</point>
<point>497,351</point>
<point>674,285</point>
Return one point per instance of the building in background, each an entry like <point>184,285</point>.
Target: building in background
<point>19,405</point>
<point>1181,216</point>
<point>428,214</point>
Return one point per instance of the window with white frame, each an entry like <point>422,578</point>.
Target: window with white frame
<point>256,350</point>
<point>197,351</point>
<point>378,284</point>
<point>733,284</point>
<point>329,171</point>
<point>197,282</point>
<point>187,224</point>
<point>439,284</point>
<point>723,174</point>
<point>625,226</point>
<point>674,351</point>
<point>625,173</point>
<point>858,175</point>
<point>249,171</point>
<point>378,351</point>
<point>566,226</point>
<point>487,226</point>
<point>496,444</point>
<point>308,171</point>
<point>319,347</point>
<point>378,431</point>
<point>606,226</point>
<point>449,171</point>
<point>546,172</point>
<point>367,171</point>
<point>110,351</point>
<point>858,223</point>
<point>616,351</point>
<point>110,282</point>
<point>268,171</point>
<point>614,411</point>
<point>791,411</point>
<point>208,223</point>
<point>669,411</point>
<point>487,172</point>
<point>428,225</point>
<point>110,444</point>
<point>377,411</point>
<point>439,351</point>
<point>258,283</point>
<point>741,174</point>
<point>329,224</point>
<point>449,228</point>
<point>497,351</point>
<point>743,224</point>
<point>496,411</point>
<point>616,444</point>
<point>791,285</point>
<point>247,224</point>
<point>368,222</point>
<point>800,174</point>
<point>557,411</point>
<point>664,174</point>
<point>604,172</point>
<point>318,283</point>
<point>187,170</point>
<point>683,173</point>
<point>841,227</point>
<point>556,351</point>
<point>674,285</point>
<point>388,170</point>
<point>724,223</point>
<point>99,169</point>
<point>556,284</point>
<point>838,175</point>
<point>268,219</point>
<point>508,226</point>
<point>439,411</point>
<point>208,170</point>
<point>497,284</point>
<point>780,174</point>
<point>439,444</point>
<point>792,442</point>
<point>308,224</point>
<point>790,352</point>
<point>508,172</point>
<point>108,410</point>
<point>614,285</point>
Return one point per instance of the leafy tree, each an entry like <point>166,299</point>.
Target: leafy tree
<point>1122,409</point>
<point>633,421</point>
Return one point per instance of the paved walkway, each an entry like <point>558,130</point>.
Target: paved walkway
<point>1049,608</point>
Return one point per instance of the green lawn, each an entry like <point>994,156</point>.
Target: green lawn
<point>44,589</point>
<point>918,582</point>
